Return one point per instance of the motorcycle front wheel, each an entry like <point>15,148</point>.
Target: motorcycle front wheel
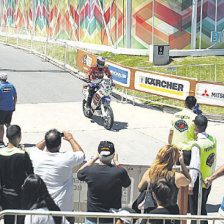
<point>109,119</point>
<point>87,113</point>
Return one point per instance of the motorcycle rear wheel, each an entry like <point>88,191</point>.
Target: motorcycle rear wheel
<point>87,113</point>
<point>109,119</point>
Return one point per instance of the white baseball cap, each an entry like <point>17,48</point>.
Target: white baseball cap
<point>3,76</point>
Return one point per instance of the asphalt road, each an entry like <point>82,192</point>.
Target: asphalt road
<point>38,81</point>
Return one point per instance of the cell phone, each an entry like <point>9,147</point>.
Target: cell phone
<point>62,134</point>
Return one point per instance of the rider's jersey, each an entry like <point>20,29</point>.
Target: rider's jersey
<point>95,73</point>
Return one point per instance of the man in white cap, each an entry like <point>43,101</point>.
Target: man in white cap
<point>8,98</point>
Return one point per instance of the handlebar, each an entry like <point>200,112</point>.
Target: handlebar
<point>95,85</point>
<point>92,85</point>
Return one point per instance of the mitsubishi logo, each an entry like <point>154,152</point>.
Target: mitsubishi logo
<point>205,93</point>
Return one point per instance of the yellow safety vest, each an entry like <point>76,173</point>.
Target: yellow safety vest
<point>186,148</point>
<point>183,128</point>
<point>208,155</point>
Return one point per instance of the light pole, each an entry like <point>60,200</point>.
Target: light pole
<point>128,22</point>
<point>194,24</point>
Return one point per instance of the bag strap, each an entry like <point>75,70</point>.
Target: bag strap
<point>148,188</point>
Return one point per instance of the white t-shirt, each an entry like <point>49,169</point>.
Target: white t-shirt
<point>56,171</point>
<point>41,219</point>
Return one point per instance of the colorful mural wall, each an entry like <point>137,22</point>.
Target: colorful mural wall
<point>104,21</point>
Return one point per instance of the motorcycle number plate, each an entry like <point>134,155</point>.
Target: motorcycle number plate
<point>107,82</point>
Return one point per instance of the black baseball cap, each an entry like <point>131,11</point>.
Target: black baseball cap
<point>201,121</point>
<point>106,148</point>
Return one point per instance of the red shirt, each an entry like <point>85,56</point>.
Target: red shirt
<point>95,73</point>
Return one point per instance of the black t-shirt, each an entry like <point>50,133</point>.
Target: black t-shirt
<point>105,184</point>
<point>15,166</point>
<point>174,210</point>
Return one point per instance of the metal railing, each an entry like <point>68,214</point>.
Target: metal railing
<point>199,189</point>
<point>114,216</point>
<point>165,103</point>
<point>199,72</point>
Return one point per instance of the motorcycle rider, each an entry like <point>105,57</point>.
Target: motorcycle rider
<point>96,72</point>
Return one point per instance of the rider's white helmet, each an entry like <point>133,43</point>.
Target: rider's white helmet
<point>100,62</point>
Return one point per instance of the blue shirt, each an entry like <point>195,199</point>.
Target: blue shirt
<point>7,93</point>
<point>222,205</point>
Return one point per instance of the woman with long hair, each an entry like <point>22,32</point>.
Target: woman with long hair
<point>35,196</point>
<point>163,167</point>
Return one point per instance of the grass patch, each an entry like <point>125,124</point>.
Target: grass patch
<point>190,70</point>
<point>71,57</point>
<point>128,60</point>
<point>39,47</point>
<point>24,43</point>
<point>12,41</point>
<point>143,61</point>
<point>56,51</point>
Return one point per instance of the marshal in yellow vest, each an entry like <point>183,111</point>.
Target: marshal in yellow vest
<point>183,128</point>
<point>208,156</point>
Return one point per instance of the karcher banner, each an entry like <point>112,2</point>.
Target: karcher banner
<point>162,85</point>
<point>210,94</point>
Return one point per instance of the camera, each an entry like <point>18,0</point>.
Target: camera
<point>62,134</point>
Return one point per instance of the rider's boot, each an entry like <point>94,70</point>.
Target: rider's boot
<point>88,103</point>
<point>2,145</point>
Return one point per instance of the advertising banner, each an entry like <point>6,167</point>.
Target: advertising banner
<point>85,60</point>
<point>162,85</point>
<point>210,94</point>
<point>121,76</point>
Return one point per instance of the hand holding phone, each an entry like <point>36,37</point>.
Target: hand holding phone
<point>67,136</point>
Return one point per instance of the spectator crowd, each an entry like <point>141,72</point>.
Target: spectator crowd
<point>40,178</point>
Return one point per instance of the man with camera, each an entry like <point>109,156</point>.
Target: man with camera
<point>55,167</point>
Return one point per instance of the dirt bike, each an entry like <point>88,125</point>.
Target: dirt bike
<point>100,101</point>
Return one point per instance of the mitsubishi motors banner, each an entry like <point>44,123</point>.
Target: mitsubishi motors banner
<point>162,85</point>
<point>210,94</point>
